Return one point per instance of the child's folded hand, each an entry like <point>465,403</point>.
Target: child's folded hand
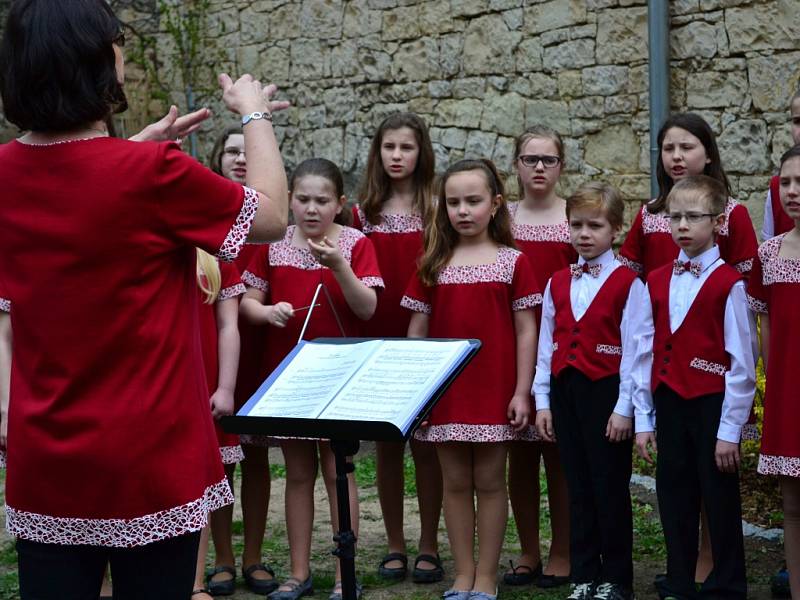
<point>646,445</point>
<point>519,411</point>
<point>619,428</point>
<point>544,425</point>
<point>726,455</point>
<point>280,314</point>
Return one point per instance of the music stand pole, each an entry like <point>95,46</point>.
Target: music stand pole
<point>345,538</point>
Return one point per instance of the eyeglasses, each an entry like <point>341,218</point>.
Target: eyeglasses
<point>694,218</point>
<point>233,152</point>
<point>548,160</point>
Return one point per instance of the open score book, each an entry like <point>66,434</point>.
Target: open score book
<point>390,380</point>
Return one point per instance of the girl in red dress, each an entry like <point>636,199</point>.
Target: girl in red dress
<point>689,147</point>
<point>776,221</point>
<point>773,293</point>
<point>470,264</point>
<point>281,280</point>
<point>228,159</point>
<point>220,288</point>
<point>395,197</point>
<point>541,231</point>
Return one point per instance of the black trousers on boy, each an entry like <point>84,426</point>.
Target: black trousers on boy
<point>161,570</point>
<point>598,476</point>
<point>686,471</point>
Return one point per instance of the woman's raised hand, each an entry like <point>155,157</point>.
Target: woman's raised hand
<point>172,126</point>
<point>246,95</point>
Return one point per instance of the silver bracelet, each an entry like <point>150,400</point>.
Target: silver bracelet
<point>255,116</point>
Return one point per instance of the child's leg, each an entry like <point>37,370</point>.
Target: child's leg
<point>558,502</point>
<point>200,570</point>
<point>489,468</point>
<point>569,392</point>
<point>389,465</point>
<point>720,494</point>
<point>301,473</point>
<point>610,469</point>
<point>328,460</point>
<point>459,508</point>
<point>255,503</point>
<point>705,562</point>
<point>678,490</point>
<point>524,493</point>
<point>221,529</point>
<point>790,486</point>
<point>429,497</point>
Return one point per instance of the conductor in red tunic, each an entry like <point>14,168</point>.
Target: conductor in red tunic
<point>113,456</point>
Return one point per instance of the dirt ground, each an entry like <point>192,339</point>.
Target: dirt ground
<point>763,557</point>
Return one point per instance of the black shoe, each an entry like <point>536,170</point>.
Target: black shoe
<point>427,575</point>
<point>581,591</point>
<point>612,591</point>
<point>393,573</point>
<point>522,574</point>
<point>225,587</point>
<point>260,586</point>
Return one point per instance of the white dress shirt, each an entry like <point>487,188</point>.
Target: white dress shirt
<point>741,344</point>
<point>581,293</point>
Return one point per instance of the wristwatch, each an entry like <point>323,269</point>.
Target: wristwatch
<point>255,116</point>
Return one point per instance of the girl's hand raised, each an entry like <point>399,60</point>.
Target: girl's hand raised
<point>519,411</point>
<point>279,314</point>
<point>221,403</point>
<point>327,254</point>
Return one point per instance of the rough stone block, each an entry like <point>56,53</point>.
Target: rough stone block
<point>401,23</point>
<point>498,83</point>
<point>504,4</point>
<point>605,80</point>
<point>341,104</point>
<point>451,137</point>
<point>416,60</point>
<point>435,17</point>
<point>503,156</point>
<point>321,19</point>
<point>451,49</point>
<point>682,7</point>
<point>743,147</point>
<point>763,26</point>
<point>554,36</point>
<point>504,114</point>
<point>344,60</point>
<point>711,89</point>
<point>541,85</point>
<point>588,107</point>
<point>459,113</point>
<point>529,56</point>
<point>622,35</point>
<point>695,40</point>
<point>554,14</point>
<point>570,83</point>
<point>312,117</point>
<point>360,20</point>
<point>480,144</point>
<point>569,55</point>
<point>469,8</point>
<point>283,22</point>
<point>440,88</point>
<point>773,80</point>
<point>573,155</point>
<point>627,104</point>
<point>469,87</point>
<point>555,114</point>
<point>376,66</point>
<point>489,46</point>
<point>513,18</point>
<point>614,149</point>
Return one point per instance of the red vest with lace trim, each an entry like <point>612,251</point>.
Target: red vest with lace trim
<point>692,361</point>
<point>592,345</point>
<point>781,223</point>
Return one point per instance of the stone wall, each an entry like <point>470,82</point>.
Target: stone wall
<point>480,71</point>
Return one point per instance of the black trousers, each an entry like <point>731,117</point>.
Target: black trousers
<point>159,571</point>
<point>598,478</point>
<point>686,471</point>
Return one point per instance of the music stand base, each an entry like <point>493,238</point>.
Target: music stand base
<point>345,538</point>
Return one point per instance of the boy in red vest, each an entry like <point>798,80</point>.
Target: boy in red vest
<point>702,366</point>
<point>584,392</point>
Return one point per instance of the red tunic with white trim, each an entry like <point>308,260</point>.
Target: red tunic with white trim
<point>253,342</point>
<point>774,289</point>
<point>107,387</point>
<point>477,301</point>
<point>291,274</point>
<point>547,247</point>
<point>398,245</point>
<point>692,360</point>
<point>231,287</point>
<point>649,242</point>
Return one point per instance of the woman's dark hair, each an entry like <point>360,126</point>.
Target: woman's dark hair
<point>697,126</point>
<point>322,167</point>
<point>57,64</point>
<point>215,162</point>
<point>793,152</point>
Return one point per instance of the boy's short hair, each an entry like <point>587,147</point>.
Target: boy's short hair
<point>704,186</point>
<point>599,195</point>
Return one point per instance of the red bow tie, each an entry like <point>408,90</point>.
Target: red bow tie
<point>694,268</point>
<point>577,270</point>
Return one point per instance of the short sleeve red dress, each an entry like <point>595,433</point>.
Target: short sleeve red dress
<point>398,246</point>
<point>107,387</point>
<point>774,289</point>
<point>231,287</point>
<point>477,301</point>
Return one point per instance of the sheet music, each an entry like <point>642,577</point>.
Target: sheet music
<point>395,381</point>
<point>312,379</point>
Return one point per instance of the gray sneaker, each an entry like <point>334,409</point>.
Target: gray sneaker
<point>581,591</point>
<point>612,591</point>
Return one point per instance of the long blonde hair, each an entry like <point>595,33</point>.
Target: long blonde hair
<point>440,236</point>
<point>209,278</point>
